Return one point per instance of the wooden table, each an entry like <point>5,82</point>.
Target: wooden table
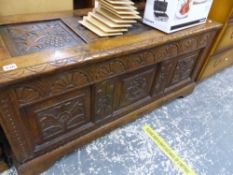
<point>71,87</point>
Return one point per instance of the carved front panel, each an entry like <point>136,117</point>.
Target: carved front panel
<point>33,37</point>
<point>104,97</point>
<point>163,76</point>
<point>136,87</point>
<point>58,119</point>
<point>174,71</point>
<point>184,68</point>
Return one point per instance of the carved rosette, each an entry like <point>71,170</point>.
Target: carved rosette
<point>136,87</point>
<point>68,81</point>
<point>111,68</point>
<point>27,93</point>
<point>203,39</point>
<point>184,69</point>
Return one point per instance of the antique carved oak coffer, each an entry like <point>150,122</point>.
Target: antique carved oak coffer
<point>62,86</point>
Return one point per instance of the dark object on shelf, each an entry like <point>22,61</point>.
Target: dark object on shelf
<point>160,8</point>
<point>80,4</point>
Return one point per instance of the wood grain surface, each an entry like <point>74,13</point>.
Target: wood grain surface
<point>62,97</point>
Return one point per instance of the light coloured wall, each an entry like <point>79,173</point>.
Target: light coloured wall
<point>13,7</point>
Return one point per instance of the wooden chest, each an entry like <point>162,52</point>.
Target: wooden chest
<point>61,86</point>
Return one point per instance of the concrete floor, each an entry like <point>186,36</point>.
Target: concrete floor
<point>198,127</point>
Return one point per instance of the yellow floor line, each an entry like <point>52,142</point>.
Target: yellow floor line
<point>168,151</point>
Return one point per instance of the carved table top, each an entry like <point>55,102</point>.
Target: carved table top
<point>41,44</point>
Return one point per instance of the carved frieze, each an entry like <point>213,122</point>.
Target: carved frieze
<point>165,52</point>
<point>187,45</point>
<point>111,68</point>
<point>76,78</point>
<point>68,81</point>
<point>32,91</point>
<point>159,53</point>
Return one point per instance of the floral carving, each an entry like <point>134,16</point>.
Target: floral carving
<point>163,76</point>
<point>136,87</point>
<point>60,118</point>
<point>34,37</point>
<point>203,39</point>
<point>27,93</point>
<point>165,52</point>
<point>111,68</point>
<point>158,54</point>
<point>184,68</point>
<point>84,53</point>
<point>104,99</point>
<point>140,59</point>
<point>68,81</point>
<point>187,45</point>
